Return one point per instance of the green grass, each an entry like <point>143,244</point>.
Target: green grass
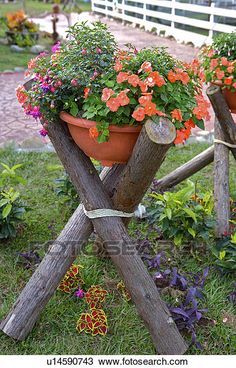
<point>10,60</point>
<point>34,8</point>
<point>55,331</point>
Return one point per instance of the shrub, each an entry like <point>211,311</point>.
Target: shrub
<point>183,216</point>
<point>11,207</point>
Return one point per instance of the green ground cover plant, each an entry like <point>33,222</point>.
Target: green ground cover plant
<point>126,332</point>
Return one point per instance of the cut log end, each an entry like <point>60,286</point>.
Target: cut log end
<point>211,90</point>
<point>160,130</point>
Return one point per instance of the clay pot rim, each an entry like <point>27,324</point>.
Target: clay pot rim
<point>87,124</point>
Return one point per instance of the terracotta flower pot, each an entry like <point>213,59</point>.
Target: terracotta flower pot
<point>230,97</point>
<point>117,150</point>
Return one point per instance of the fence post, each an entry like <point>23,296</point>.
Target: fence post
<point>172,14</point>
<point>211,21</point>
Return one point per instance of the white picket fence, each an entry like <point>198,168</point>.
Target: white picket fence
<point>151,14</point>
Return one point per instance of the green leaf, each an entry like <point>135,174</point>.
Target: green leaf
<point>3,202</point>
<point>74,109</point>
<point>169,213</point>
<point>190,213</point>
<point>222,254</point>
<point>6,210</point>
<point>192,232</point>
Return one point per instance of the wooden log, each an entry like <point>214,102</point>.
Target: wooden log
<point>186,170</point>
<point>221,183</point>
<point>146,297</point>
<point>223,115</point>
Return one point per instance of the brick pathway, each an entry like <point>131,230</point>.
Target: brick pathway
<point>16,127</point>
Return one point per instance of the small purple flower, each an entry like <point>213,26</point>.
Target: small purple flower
<point>43,132</point>
<point>98,50</point>
<point>56,47</point>
<point>79,293</point>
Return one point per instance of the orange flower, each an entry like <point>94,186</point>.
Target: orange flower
<point>224,61</point>
<point>32,63</point>
<point>21,94</point>
<point>201,110</point>
<point>211,53</point>
<point>86,92</point>
<point>160,113</point>
<point>123,98</point>
<point>158,79</point>
<point>113,104</point>
<point>93,132</point>
<point>230,69</point>
<point>122,77</point>
<point>189,123</point>
<point>177,115</point>
<point>143,86</point>
<point>133,80</point>
<point>118,66</point>
<point>180,137</point>
<point>184,77</point>
<point>139,114</point>
<point>146,67</point>
<point>171,76</point>
<point>150,109</point>
<point>219,74</point>
<point>106,94</point>
<point>144,100</point>
<point>228,81</point>
<point>213,64</point>
<point>149,82</point>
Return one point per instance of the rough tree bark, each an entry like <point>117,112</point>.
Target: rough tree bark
<point>223,115</point>
<point>21,319</point>
<point>221,183</point>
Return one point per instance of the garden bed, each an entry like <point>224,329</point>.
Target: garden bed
<point>126,334</point>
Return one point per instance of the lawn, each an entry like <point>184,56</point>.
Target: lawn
<point>9,59</point>
<point>34,8</point>
<point>55,332</point>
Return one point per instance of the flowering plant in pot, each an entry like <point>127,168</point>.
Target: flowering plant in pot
<point>106,94</point>
<point>219,65</point>
<point>21,31</point>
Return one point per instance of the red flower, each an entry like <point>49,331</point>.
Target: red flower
<point>139,114</point>
<point>177,115</point>
<point>228,81</point>
<point>86,92</point>
<point>106,94</point>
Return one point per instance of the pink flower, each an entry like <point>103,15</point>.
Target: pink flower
<point>56,47</point>
<point>79,293</point>
<point>74,82</point>
<point>43,132</point>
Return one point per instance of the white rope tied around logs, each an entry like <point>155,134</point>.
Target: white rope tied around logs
<point>225,143</point>
<point>106,212</point>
